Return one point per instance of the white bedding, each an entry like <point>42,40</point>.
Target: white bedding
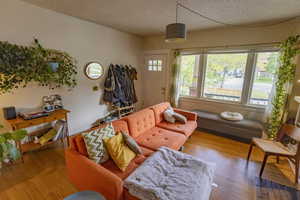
<point>171,175</point>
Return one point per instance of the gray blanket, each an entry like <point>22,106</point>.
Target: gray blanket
<point>171,175</point>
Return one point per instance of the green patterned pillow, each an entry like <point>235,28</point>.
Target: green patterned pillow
<point>94,143</point>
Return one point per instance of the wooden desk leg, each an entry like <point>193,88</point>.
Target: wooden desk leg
<point>19,145</point>
<point>277,159</point>
<point>67,132</point>
<point>297,170</point>
<point>263,164</point>
<point>250,150</point>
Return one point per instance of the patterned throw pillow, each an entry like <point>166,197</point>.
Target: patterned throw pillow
<point>94,143</point>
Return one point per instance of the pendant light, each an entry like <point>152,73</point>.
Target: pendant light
<point>176,32</point>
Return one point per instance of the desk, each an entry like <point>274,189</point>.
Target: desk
<point>20,123</point>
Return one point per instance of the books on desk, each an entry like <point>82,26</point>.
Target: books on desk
<point>33,115</point>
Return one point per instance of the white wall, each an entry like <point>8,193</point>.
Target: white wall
<point>85,41</point>
<point>223,37</point>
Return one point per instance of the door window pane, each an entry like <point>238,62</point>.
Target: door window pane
<point>155,65</point>
<point>159,62</point>
<point>224,76</point>
<point>265,69</point>
<point>189,75</point>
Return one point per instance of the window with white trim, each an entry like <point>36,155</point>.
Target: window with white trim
<point>224,76</point>
<point>189,75</point>
<point>244,77</point>
<point>265,66</point>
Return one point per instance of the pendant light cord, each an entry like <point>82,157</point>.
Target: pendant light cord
<point>178,4</point>
<point>177,7</point>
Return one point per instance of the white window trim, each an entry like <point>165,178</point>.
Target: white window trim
<point>248,79</point>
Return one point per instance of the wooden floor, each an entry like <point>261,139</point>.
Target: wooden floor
<point>42,176</point>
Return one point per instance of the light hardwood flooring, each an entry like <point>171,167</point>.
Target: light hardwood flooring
<point>43,177</point>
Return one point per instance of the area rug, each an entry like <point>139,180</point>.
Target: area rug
<point>268,190</point>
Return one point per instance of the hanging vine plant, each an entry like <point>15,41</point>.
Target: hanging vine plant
<point>20,65</point>
<point>175,71</point>
<point>285,76</point>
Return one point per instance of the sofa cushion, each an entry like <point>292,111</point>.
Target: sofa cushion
<point>119,151</point>
<point>186,129</point>
<point>245,123</point>
<point>120,125</point>
<point>157,137</point>
<point>140,122</point>
<point>112,167</point>
<point>131,143</point>
<point>81,148</point>
<point>78,143</point>
<point>95,145</point>
<point>146,152</point>
<point>168,115</point>
<point>244,130</point>
<point>159,111</point>
<point>179,117</point>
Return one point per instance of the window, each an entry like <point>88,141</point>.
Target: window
<point>189,75</point>
<point>244,77</point>
<point>155,65</point>
<point>265,68</point>
<point>224,76</point>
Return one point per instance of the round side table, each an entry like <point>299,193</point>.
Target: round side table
<point>90,195</point>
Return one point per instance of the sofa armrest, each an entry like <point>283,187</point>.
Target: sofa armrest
<point>88,175</point>
<point>189,115</point>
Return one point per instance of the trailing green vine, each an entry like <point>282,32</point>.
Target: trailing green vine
<point>285,75</point>
<point>20,65</point>
<point>174,71</point>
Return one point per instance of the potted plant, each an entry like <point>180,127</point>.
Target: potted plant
<point>8,147</point>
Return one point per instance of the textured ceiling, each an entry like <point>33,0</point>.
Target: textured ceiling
<point>149,17</point>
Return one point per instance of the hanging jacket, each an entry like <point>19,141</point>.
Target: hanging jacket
<point>109,85</point>
<point>119,86</point>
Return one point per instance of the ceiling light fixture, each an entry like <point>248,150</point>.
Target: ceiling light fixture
<point>176,32</point>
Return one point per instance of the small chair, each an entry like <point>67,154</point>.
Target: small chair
<point>287,134</point>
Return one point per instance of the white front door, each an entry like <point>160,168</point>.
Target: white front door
<point>155,82</point>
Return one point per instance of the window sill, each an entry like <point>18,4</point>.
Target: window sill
<point>238,104</point>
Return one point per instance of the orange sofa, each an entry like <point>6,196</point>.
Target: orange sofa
<point>150,131</point>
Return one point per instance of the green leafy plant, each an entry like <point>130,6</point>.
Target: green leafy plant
<point>285,75</point>
<point>20,65</point>
<point>175,71</point>
<point>8,148</point>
